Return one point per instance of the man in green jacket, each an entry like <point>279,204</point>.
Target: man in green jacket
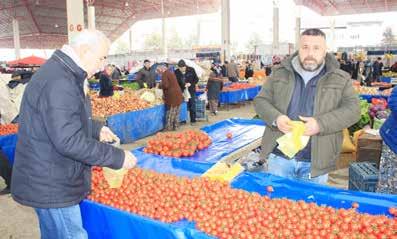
<point>310,87</point>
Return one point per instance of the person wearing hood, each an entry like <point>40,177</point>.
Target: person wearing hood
<point>307,87</point>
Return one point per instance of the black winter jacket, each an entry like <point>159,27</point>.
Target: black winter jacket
<point>57,139</point>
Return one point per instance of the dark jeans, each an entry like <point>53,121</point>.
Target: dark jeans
<point>5,169</point>
<point>191,106</point>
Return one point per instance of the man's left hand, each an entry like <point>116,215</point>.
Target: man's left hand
<point>106,135</point>
<point>311,126</point>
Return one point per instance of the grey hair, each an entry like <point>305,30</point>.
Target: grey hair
<point>92,38</point>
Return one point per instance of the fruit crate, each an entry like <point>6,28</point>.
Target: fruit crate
<point>363,176</point>
<point>201,113</point>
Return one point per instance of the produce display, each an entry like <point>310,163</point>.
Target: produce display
<point>364,117</point>
<point>389,74</point>
<point>6,129</point>
<point>386,92</point>
<point>126,101</point>
<point>238,86</point>
<point>178,144</point>
<point>131,85</point>
<point>365,90</point>
<point>224,212</point>
<point>106,106</point>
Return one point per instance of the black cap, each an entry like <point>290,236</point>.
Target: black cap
<point>181,63</point>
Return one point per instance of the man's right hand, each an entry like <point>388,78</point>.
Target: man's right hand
<point>283,124</point>
<point>129,160</point>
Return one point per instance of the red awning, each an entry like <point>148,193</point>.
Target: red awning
<point>27,61</point>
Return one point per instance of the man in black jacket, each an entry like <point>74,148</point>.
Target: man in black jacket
<point>105,82</point>
<point>187,77</point>
<point>58,141</point>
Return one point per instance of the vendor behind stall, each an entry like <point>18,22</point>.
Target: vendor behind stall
<point>105,82</point>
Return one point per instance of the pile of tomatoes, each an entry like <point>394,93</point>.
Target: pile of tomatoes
<point>6,129</point>
<point>238,86</point>
<point>221,211</point>
<point>106,106</point>
<point>178,144</point>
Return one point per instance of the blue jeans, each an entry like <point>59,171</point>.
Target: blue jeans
<point>291,168</point>
<point>61,223</point>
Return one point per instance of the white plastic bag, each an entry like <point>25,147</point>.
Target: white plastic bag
<point>186,95</point>
<point>203,97</point>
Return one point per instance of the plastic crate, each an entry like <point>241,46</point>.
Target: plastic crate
<point>363,176</point>
<point>201,113</point>
<point>385,79</point>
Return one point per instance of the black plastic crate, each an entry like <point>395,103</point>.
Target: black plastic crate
<point>363,176</point>
<point>201,109</point>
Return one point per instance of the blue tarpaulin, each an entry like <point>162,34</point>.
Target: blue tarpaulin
<point>7,145</point>
<point>231,97</point>
<point>135,125</point>
<point>244,131</point>
<point>369,98</point>
<point>102,221</point>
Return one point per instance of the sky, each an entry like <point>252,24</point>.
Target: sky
<point>247,17</point>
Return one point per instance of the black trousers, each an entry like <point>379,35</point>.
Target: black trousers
<point>191,106</point>
<point>233,79</point>
<point>5,169</point>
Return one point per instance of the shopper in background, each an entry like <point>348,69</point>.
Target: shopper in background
<point>187,77</point>
<point>387,182</point>
<point>58,141</point>
<point>146,78</point>
<point>5,172</point>
<point>172,95</point>
<point>105,82</point>
<point>377,69</point>
<point>214,88</point>
<point>308,87</point>
<point>232,71</point>
<point>224,68</point>
<point>249,70</point>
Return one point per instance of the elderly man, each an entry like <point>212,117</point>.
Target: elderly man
<point>58,140</point>
<point>310,87</point>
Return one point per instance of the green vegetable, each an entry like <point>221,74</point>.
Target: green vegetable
<point>365,118</point>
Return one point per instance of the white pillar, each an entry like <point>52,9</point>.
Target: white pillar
<point>332,35</point>
<point>275,27</point>
<point>225,12</point>
<point>17,44</point>
<point>164,47</point>
<point>91,17</point>
<point>198,19</point>
<point>297,26</point>
<point>75,14</point>
<point>130,39</point>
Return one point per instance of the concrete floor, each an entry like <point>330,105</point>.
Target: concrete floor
<point>19,222</point>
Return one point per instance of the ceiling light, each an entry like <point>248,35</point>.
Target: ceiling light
<point>37,2</point>
<point>56,25</point>
<point>126,4</point>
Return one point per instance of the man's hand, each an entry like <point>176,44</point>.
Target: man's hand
<point>129,160</point>
<point>283,124</point>
<point>106,135</point>
<point>311,125</point>
<point>187,84</point>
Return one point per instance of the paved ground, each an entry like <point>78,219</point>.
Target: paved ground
<point>19,222</point>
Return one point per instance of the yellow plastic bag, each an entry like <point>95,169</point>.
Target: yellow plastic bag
<point>114,177</point>
<point>221,171</point>
<point>347,146</point>
<point>292,142</point>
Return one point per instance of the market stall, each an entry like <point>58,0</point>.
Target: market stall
<point>103,221</point>
<point>8,140</point>
<point>236,92</point>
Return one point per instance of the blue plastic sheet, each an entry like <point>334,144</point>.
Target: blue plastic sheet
<point>244,131</point>
<point>231,97</point>
<point>7,145</point>
<point>369,98</point>
<point>371,203</point>
<point>135,125</point>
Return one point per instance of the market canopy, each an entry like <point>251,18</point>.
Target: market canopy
<point>347,7</point>
<point>43,23</point>
<point>27,61</point>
